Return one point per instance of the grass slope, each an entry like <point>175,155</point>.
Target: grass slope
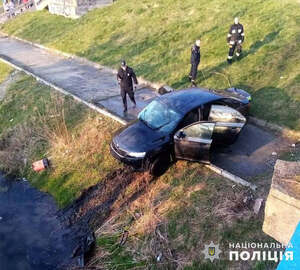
<point>36,122</point>
<point>5,70</point>
<point>175,214</point>
<point>155,37</point>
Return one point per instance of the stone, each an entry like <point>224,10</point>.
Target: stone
<point>282,210</point>
<point>257,205</point>
<point>165,89</point>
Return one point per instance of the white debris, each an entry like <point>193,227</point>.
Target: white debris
<point>11,120</point>
<point>281,77</point>
<point>274,154</point>
<point>257,205</point>
<point>293,145</point>
<point>158,258</point>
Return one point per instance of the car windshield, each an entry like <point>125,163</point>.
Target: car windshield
<point>158,115</point>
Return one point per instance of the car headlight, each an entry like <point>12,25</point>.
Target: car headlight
<point>137,154</point>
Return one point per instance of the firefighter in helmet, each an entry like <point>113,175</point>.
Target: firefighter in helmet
<point>235,38</point>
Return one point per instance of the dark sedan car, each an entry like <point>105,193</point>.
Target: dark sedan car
<point>181,125</point>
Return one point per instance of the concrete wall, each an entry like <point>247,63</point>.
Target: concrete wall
<point>66,8</point>
<point>75,8</point>
<point>282,211</point>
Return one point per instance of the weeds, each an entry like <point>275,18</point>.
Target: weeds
<point>17,146</point>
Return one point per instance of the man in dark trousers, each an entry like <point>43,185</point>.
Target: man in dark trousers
<point>235,38</point>
<point>195,60</point>
<point>125,77</point>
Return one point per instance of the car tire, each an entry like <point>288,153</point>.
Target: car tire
<point>159,165</point>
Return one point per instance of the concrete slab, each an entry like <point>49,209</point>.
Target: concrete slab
<point>142,97</point>
<point>282,211</point>
<point>80,79</point>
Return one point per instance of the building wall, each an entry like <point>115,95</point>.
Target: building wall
<point>66,8</point>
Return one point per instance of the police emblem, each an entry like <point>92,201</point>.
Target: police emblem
<point>211,251</point>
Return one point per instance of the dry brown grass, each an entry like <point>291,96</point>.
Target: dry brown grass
<point>232,208</point>
<point>16,147</point>
<point>77,148</point>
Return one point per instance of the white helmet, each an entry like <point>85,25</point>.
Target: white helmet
<point>236,20</point>
<point>198,42</point>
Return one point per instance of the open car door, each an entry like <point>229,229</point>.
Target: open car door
<point>193,142</point>
<point>229,123</point>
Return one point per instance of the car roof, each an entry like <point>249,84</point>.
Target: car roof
<point>187,99</point>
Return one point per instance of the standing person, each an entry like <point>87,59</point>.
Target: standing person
<point>195,60</point>
<point>11,6</point>
<point>235,38</point>
<point>125,77</point>
<point>6,8</point>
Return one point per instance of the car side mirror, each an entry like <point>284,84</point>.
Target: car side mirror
<point>181,135</point>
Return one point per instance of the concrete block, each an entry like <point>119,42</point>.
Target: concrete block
<point>282,211</point>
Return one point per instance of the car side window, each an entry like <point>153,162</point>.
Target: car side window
<point>203,131</point>
<point>190,118</point>
<point>220,113</point>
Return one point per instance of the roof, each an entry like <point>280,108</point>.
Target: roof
<point>184,100</point>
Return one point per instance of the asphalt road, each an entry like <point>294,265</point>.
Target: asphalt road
<point>253,154</point>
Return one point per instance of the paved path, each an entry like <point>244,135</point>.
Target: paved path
<point>250,156</point>
<point>82,80</point>
<point>253,154</point>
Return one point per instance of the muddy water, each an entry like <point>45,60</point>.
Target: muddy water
<point>31,235</point>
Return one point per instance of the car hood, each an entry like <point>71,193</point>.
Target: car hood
<point>137,137</point>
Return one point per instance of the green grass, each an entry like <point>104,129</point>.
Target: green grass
<point>5,70</point>
<point>155,38</point>
<point>27,98</point>
<point>119,258</point>
<point>37,122</point>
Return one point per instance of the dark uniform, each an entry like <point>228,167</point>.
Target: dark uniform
<point>235,38</point>
<point>125,77</point>
<point>195,60</point>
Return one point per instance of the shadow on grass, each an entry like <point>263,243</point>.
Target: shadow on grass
<point>274,104</point>
<point>207,73</point>
<point>98,202</point>
<point>260,43</point>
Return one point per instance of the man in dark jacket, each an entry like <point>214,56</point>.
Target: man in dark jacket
<point>235,38</point>
<point>195,60</point>
<point>125,77</point>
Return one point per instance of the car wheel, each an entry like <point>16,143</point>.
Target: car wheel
<point>160,165</point>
